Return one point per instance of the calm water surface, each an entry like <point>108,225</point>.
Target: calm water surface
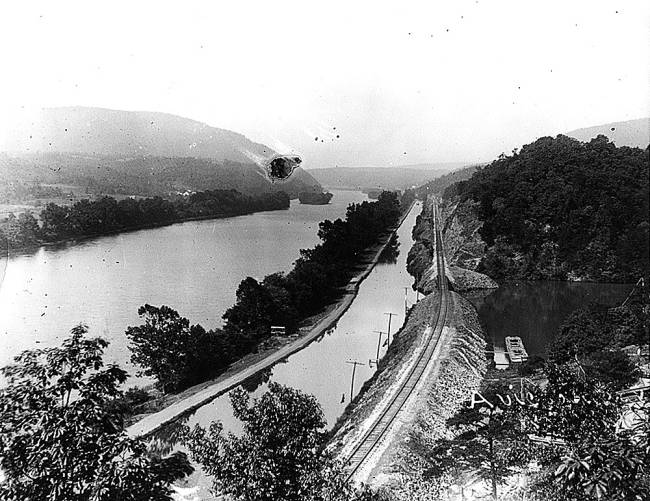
<point>534,311</point>
<point>194,267</point>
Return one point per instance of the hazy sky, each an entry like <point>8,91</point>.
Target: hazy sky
<point>402,82</point>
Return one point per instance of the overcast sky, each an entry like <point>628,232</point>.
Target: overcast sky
<point>402,82</point>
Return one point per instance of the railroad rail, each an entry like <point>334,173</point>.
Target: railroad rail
<point>378,430</point>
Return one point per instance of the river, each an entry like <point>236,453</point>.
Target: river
<point>194,267</point>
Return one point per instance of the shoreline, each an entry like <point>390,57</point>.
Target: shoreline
<point>203,393</point>
<point>29,249</point>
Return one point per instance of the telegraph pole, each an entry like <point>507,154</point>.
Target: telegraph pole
<point>390,317</point>
<point>354,369</point>
<point>406,307</point>
<point>381,333</point>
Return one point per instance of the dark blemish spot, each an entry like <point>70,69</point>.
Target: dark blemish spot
<point>337,136</point>
<point>322,141</point>
<point>334,128</point>
<point>613,128</point>
<point>316,138</point>
<point>405,153</point>
<point>65,130</point>
<point>447,30</point>
<point>280,167</point>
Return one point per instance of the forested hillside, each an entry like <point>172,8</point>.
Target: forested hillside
<point>562,209</point>
<point>24,177</point>
<point>104,152</point>
<point>441,183</point>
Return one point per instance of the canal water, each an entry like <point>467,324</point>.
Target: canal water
<point>535,311</point>
<point>194,267</point>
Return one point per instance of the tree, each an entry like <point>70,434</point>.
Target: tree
<point>278,456</point>
<point>252,314</point>
<point>567,208</point>
<point>593,335</point>
<point>593,458</point>
<point>175,353</point>
<point>489,441</point>
<point>60,439</point>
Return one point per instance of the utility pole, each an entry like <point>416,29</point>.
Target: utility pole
<point>406,306</point>
<point>381,333</point>
<point>390,317</point>
<point>354,369</point>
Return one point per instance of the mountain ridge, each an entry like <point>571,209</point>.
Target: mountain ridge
<point>634,132</point>
<point>110,151</point>
<point>105,131</point>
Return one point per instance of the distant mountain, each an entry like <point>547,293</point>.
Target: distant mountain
<point>136,152</point>
<point>628,133</point>
<point>437,166</point>
<point>373,177</point>
<point>441,183</point>
<point>99,131</point>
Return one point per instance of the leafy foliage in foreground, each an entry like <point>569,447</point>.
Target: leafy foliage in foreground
<point>279,455</point>
<point>563,209</point>
<point>598,456</point>
<point>59,438</point>
<point>488,442</point>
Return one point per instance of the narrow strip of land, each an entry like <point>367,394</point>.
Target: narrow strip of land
<point>155,421</point>
<point>395,402</point>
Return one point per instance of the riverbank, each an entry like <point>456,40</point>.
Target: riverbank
<point>272,351</point>
<point>19,250</point>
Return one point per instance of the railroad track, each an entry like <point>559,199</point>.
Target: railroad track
<point>374,435</point>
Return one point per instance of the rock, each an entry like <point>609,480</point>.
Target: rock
<point>463,280</point>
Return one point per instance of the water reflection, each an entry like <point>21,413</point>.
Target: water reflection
<point>390,252</point>
<point>164,440</point>
<point>257,380</point>
<point>535,310</point>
